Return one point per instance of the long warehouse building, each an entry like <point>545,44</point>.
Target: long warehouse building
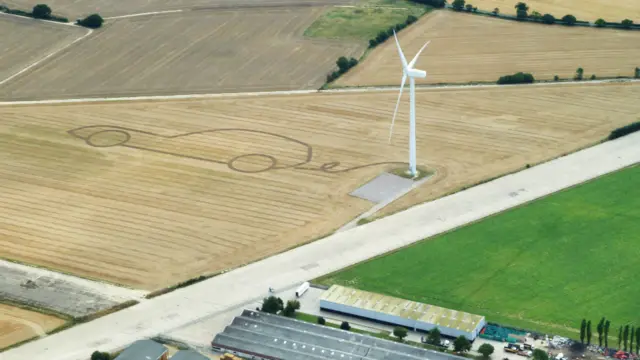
<point>401,312</point>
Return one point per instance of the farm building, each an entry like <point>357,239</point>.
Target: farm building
<point>410,314</point>
<point>144,350</point>
<point>258,335</point>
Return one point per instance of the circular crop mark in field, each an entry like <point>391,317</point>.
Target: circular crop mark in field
<point>108,138</point>
<point>252,163</point>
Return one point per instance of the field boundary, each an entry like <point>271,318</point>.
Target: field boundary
<point>362,89</point>
<point>558,21</point>
<point>48,56</point>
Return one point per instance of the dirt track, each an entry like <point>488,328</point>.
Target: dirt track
<point>191,52</point>
<point>160,199</point>
<point>467,47</point>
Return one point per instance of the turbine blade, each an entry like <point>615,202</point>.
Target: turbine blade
<point>415,58</point>
<point>404,60</point>
<point>393,120</point>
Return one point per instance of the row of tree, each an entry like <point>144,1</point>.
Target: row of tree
<point>522,13</point>
<point>517,78</point>
<point>385,34</point>
<point>344,65</point>
<point>275,305</point>
<point>434,3</point>
<point>44,12</point>
<point>626,334</point>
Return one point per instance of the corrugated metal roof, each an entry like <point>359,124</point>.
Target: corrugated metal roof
<point>402,308</point>
<point>143,349</point>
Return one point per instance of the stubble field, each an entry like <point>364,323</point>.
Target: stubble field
<point>151,193</point>
<point>466,48</point>
<point>80,8</point>
<point>590,10</point>
<point>197,51</point>
<point>17,324</point>
<point>25,41</point>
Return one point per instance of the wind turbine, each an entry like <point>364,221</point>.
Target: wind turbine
<point>409,71</point>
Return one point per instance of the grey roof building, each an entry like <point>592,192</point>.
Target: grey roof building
<point>257,335</point>
<point>144,350</point>
<point>188,355</point>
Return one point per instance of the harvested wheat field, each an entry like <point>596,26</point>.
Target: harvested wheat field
<point>198,51</point>
<point>466,48</point>
<point>25,41</point>
<point>80,8</point>
<point>148,194</point>
<point>17,324</point>
<point>590,10</point>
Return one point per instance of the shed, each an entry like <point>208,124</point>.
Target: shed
<point>188,355</point>
<point>410,314</point>
<point>144,350</point>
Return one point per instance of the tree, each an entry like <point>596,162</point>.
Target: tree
<point>345,326</point>
<point>626,23</point>
<point>600,22</point>
<point>290,309</point>
<point>583,330</point>
<point>521,14</point>
<point>522,6</point>
<point>589,322</point>
<point>625,336</point>
<point>97,355</point>
<point>92,21</point>
<point>411,19</point>
<point>637,73</point>
<point>638,340</point>
<point>539,354</point>
<point>272,305</point>
<point>569,20</point>
<point>400,332</point>
<point>496,11</point>
<point>486,350</point>
<point>593,77</point>
<point>620,338</point>
<point>600,330</point>
<point>548,19</point>
<point>343,64</point>
<point>535,15</point>
<point>458,5</point>
<point>607,324</point>
<point>579,75</point>
<point>461,344</point>
<point>434,336</point>
<point>321,320</point>
<point>556,78</point>
<point>41,11</point>
<point>631,338</point>
<point>468,7</point>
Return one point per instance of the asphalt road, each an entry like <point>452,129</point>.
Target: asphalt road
<point>246,284</point>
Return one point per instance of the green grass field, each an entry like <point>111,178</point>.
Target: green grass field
<point>544,266</point>
<point>364,21</point>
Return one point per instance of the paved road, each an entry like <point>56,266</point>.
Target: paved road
<point>244,285</point>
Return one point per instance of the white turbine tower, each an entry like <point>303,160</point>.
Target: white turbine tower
<point>409,71</point>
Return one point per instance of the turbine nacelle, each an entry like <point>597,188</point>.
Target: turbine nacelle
<point>415,73</point>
